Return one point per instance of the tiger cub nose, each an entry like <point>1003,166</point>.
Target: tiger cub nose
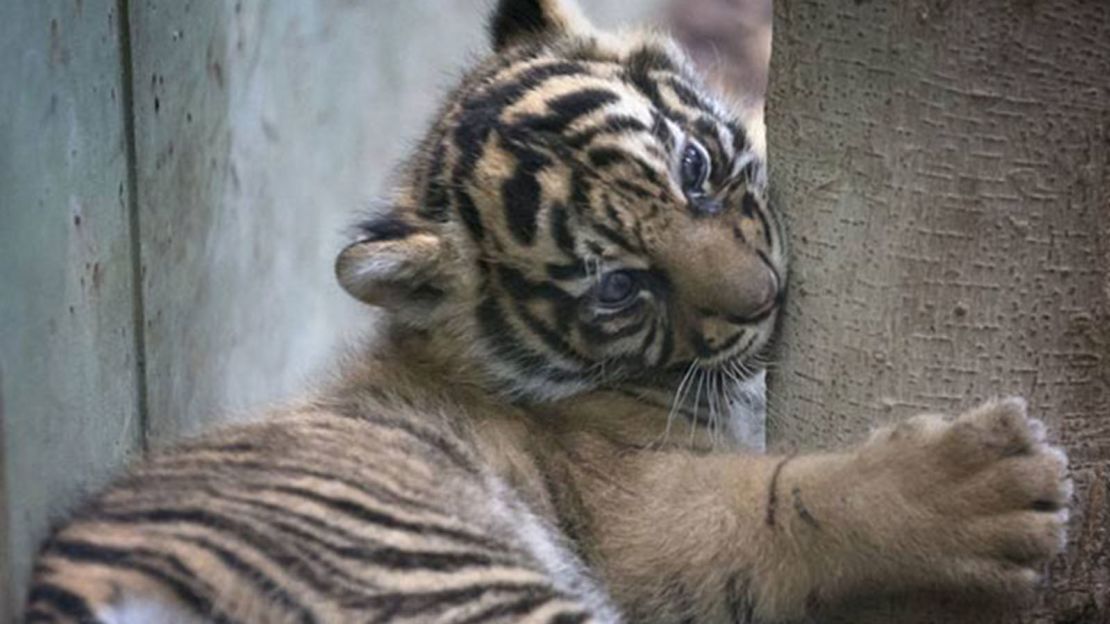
<point>750,297</point>
<point>768,300</point>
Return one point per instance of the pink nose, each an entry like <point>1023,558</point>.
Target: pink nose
<point>770,299</point>
<point>745,294</point>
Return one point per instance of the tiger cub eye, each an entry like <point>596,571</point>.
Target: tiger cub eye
<point>617,288</point>
<point>695,169</point>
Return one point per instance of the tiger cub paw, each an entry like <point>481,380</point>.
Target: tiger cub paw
<point>985,496</point>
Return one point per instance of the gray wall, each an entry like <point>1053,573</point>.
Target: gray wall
<point>174,184</point>
<point>69,389</point>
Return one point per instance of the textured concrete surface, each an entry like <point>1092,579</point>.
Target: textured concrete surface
<point>946,173</point>
<point>68,391</point>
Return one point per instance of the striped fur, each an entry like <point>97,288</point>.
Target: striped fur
<point>580,270</point>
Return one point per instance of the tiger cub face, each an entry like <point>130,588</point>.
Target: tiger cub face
<point>582,212</point>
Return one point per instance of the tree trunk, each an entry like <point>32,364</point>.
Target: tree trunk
<point>945,171</point>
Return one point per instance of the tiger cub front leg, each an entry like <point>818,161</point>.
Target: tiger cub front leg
<point>978,502</point>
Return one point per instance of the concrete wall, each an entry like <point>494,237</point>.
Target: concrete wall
<point>944,172</point>
<point>156,281</point>
<point>69,387</point>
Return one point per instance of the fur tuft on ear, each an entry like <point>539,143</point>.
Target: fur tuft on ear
<point>521,21</point>
<point>395,265</point>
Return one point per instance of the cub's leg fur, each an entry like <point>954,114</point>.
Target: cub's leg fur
<point>978,502</point>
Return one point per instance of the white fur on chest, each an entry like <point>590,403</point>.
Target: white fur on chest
<point>549,548</point>
<point>747,421</point>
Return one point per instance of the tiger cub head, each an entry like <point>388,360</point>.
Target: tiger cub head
<point>582,213</point>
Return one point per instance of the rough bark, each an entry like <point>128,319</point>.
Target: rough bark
<point>945,171</point>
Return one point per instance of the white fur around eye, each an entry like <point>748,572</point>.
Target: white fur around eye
<point>759,180</point>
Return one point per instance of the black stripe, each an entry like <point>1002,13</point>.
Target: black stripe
<point>707,130</point>
<point>661,130</point>
<point>616,238</point>
<point>638,192</point>
<point>398,559</point>
<point>749,203</point>
<point>564,272</point>
<point>521,194</point>
<point>689,97</point>
<point>272,515</point>
<point>371,516</point>
<point>648,59</point>
<point>387,556</point>
<point>568,108</point>
<point>523,289</point>
<point>410,603</point>
<point>612,125</point>
<point>740,142</point>
<point>502,338</point>
<point>604,157</point>
<point>667,350</point>
<point>249,536</point>
<point>63,601</point>
<point>552,338</point>
<point>355,548</point>
<point>731,342</point>
<point>580,190</point>
<point>560,229</point>
<point>385,229</point>
<point>611,212</point>
<point>516,609</point>
<point>269,588</point>
<point>468,212</point>
<point>131,559</point>
<point>599,336</point>
<point>270,468</point>
<point>738,234</point>
<point>305,542</point>
<point>640,80</point>
<point>479,116</point>
<point>448,447</point>
<point>649,341</point>
<point>748,206</point>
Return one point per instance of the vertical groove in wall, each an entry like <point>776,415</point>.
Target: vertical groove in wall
<point>135,233</point>
<point>7,600</point>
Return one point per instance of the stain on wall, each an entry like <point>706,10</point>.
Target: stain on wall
<point>67,347</point>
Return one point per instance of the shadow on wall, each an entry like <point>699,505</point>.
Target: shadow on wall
<point>730,40</point>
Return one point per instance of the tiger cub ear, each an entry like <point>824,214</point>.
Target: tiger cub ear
<point>395,265</point>
<point>521,21</point>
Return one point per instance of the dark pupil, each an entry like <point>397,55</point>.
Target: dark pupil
<point>694,168</point>
<point>616,287</point>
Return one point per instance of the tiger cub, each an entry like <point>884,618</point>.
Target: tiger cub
<point>579,268</point>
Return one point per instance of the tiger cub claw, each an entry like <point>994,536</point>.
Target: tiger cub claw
<point>985,496</point>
